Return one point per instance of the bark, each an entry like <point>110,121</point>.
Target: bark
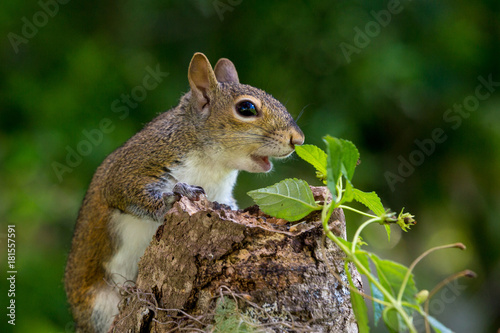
<point>209,268</point>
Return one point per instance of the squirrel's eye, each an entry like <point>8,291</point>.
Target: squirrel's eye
<point>246,109</point>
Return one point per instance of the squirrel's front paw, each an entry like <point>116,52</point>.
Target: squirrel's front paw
<point>191,191</point>
<point>182,190</point>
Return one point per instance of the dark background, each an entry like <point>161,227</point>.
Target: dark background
<point>382,85</point>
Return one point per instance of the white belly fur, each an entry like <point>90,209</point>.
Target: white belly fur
<point>134,234</point>
<point>216,178</point>
<point>105,308</point>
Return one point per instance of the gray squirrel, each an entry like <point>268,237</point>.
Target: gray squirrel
<point>197,148</point>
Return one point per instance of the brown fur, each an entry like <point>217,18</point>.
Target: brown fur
<point>134,178</point>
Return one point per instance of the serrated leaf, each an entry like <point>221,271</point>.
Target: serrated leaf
<point>290,199</point>
<point>391,275</point>
<point>314,156</point>
<point>358,305</point>
<point>437,326</point>
<point>333,165</point>
<point>370,200</point>
<point>350,157</point>
<point>342,158</point>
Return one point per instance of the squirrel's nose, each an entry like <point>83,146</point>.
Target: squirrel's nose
<point>296,138</point>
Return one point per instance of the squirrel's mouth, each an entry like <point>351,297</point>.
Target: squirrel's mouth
<point>263,162</point>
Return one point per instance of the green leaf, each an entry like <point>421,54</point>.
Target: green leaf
<point>348,193</point>
<point>358,305</point>
<point>314,156</point>
<point>342,158</point>
<point>370,200</point>
<point>333,165</point>
<point>388,230</point>
<point>393,320</point>
<point>346,243</point>
<point>228,318</point>
<point>437,326</point>
<point>290,199</point>
<point>378,308</point>
<point>391,275</point>
<point>350,157</point>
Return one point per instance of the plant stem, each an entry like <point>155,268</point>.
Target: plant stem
<point>340,191</point>
<point>420,257</point>
<point>347,285</point>
<point>351,255</point>
<point>357,211</point>
<point>397,306</point>
<point>361,227</point>
<point>326,213</point>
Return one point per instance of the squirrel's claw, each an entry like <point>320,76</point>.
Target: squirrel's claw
<point>190,191</point>
<point>169,198</point>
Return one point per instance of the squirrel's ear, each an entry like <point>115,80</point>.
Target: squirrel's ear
<point>201,79</point>
<point>225,71</point>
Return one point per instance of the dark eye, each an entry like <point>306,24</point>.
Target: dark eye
<point>246,109</point>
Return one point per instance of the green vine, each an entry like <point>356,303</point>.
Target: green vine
<point>394,294</point>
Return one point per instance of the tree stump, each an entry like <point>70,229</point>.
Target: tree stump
<point>211,269</point>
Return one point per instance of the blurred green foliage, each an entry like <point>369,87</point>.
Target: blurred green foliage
<point>395,89</point>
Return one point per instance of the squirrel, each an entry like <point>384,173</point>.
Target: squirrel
<point>197,148</point>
